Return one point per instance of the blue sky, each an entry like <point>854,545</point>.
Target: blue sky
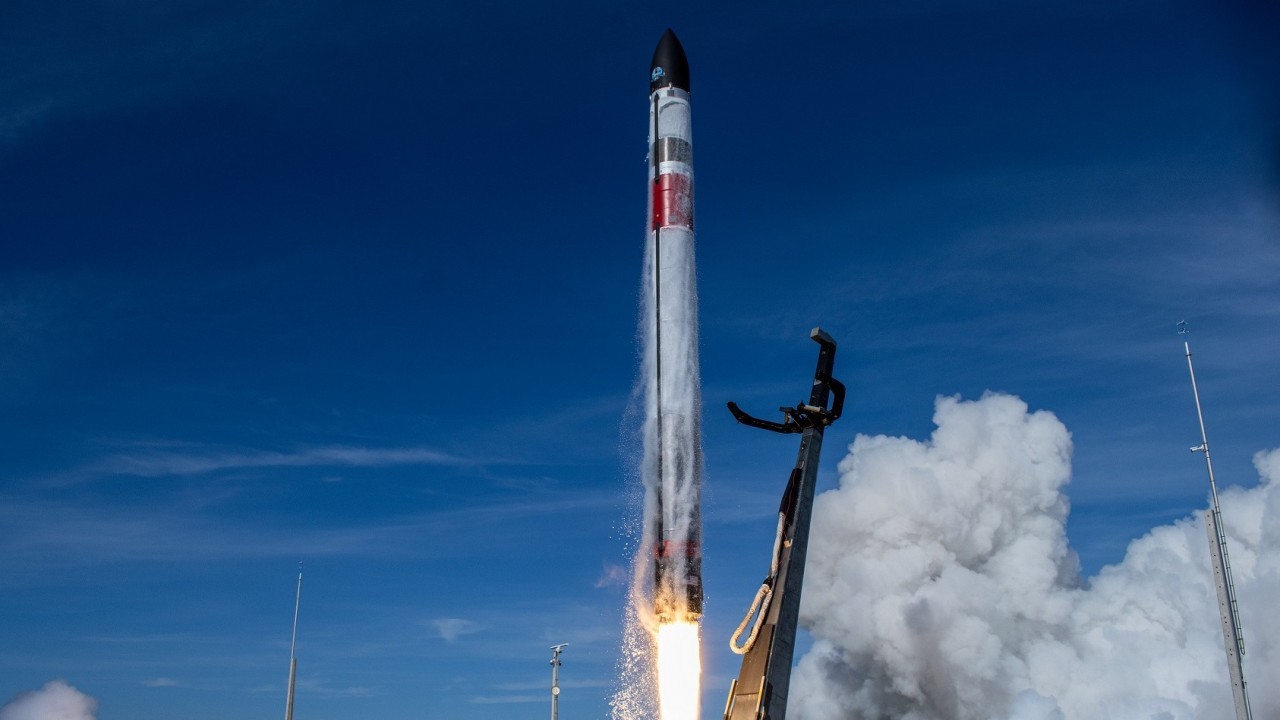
<point>356,284</point>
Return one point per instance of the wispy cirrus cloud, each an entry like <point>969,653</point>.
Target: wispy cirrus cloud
<point>505,699</point>
<point>450,629</point>
<point>526,692</point>
<point>15,120</point>
<point>324,689</point>
<point>185,460</point>
<point>539,685</point>
<point>155,464</point>
<point>53,72</point>
<point>320,688</point>
<point>44,534</point>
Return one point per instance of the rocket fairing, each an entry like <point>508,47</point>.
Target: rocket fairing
<point>673,453</point>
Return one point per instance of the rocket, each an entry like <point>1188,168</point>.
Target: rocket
<point>673,446</point>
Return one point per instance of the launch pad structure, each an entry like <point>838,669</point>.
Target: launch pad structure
<point>760,690</point>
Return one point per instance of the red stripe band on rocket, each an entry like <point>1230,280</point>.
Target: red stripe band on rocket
<point>673,201</point>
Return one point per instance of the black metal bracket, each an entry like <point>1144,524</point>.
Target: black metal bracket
<point>813,414</point>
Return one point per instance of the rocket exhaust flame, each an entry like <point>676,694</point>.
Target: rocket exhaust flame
<point>679,671</point>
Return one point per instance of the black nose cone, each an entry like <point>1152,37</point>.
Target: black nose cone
<point>670,68</point>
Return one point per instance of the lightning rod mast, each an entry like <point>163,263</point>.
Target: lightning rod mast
<point>1228,610</point>
<point>293,644</point>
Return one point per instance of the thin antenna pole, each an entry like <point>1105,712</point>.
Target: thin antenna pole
<point>293,644</point>
<point>1229,611</point>
<point>555,679</point>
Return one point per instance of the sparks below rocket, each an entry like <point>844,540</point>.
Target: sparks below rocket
<point>673,454</point>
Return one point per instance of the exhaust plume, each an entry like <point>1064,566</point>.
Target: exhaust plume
<point>941,585</point>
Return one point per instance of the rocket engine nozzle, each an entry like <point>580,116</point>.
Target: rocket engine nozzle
<point>677,595</point>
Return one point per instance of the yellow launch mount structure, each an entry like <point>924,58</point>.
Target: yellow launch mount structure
<point>760,690</point>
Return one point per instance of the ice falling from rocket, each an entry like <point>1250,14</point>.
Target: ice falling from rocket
<point>672,465</point>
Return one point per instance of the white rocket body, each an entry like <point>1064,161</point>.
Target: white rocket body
<point>673,446</point>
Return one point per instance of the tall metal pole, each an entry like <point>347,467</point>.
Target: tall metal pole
<point>555,679</point>
<point>1228,610</point>
<point>293,644</point>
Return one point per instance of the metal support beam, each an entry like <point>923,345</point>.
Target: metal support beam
<point>760,692</point>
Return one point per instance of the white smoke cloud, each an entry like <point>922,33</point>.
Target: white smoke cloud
<point>55,701</point>
<point>940,585</point>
